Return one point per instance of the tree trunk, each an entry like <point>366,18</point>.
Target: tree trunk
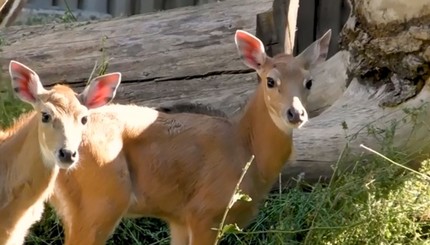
<point>386,102</point>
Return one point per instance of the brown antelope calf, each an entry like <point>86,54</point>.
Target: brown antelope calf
<point>39,143</point>
<point>183,167</point>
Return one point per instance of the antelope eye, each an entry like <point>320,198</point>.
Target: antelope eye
<point>84,120</point>
<point>308,84</point>
<point>270,82</point>
<point>46,117</point>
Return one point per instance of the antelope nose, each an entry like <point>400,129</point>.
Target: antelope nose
<point>295,116</point>
<point>66,156</point>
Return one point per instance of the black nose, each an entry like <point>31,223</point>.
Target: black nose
<point>66,156</point>
<point>295,116</point>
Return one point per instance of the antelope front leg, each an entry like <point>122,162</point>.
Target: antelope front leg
<point>94,229</point>
<point>201,232</point>
<point>178,234</point>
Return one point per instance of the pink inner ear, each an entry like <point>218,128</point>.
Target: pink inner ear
<point>22,81</point>
<point>103,91</point>
<point>250,47</point>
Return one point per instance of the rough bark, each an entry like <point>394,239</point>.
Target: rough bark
<point>389,42</point>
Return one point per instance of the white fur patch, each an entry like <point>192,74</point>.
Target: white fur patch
<point>135,118</point>
<point>132,119</point>
<point>49,159</point>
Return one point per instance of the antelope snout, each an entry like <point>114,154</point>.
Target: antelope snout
<point>67,156</point>
<point>297,116</point>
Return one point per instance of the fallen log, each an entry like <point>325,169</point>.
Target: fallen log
<point>188,54</point>
<point>185,54</point>
<point>173,44</point>
<point>354,119</point>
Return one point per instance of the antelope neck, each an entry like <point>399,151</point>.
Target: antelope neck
<point>270,145</point>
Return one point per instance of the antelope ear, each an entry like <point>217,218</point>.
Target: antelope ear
<point>316,53</point>
<point>25,82</point>
<point>100,91</point>
<point>251,49</point>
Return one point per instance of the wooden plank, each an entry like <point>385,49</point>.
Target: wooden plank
<point>9,11</point>
<point>119,7</point>
<point>329,16</point>
<point>266,32</point>
<point>184,42</point>
<point>345,11</point>
<point>147,6</point>
<point>183,3</point>
<point>279,16</point>
<point>95,5</point>
<point>73,4</point>
<point>40,3</point>
<point>199,2</point>
<point>169,4</point>
<point>305,25</point>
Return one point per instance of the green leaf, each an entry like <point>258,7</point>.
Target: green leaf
<point>239,195</point>
<point>231,228</point>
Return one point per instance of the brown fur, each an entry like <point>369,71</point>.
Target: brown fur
<point>180,167</point>
<point>189,187</point>
<point>25,181</point>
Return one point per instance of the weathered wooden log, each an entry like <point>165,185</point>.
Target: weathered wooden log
<point>185,54</point>
<point>390,43</point>
<point>189,55</point>
<point>356,118</point>
<point>168,45</point>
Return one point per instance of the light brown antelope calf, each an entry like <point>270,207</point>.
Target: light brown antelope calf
<point>39,143</point>
<point>183,167</point>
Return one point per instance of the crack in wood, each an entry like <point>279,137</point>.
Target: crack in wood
<point>81,83</point>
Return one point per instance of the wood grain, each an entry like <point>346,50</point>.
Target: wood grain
<point>182,42</point>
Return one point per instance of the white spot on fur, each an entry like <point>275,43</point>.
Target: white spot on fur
<point>135,118</point>
<point>49,158</point>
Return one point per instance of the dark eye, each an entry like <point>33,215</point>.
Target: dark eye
<point>46,117</point>
<point>270,82</point>
<point>308,84</point>
<point>84,120</point>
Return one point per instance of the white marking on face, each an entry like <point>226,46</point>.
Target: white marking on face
<point>297,103</point>
<point>49,158</point>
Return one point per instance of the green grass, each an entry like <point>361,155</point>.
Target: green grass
<point>375,202</point>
